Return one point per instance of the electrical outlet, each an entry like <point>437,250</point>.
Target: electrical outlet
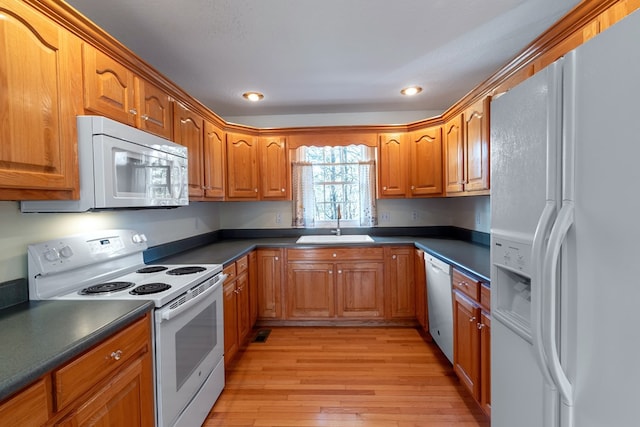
<point>414,215</point>
<point>385,217</point>
<point>278,218</point>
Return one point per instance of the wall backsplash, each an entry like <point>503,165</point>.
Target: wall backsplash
<point>17,230</point>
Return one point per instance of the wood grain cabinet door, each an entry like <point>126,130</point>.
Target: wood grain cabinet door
<point>360,290</point>
<point>466,343</point>
<point>476,133</point>
<point>400,282</point>
<point>188,130</point>
<point>454,153</point>
<point>426,162</point>
<point>242,167</point>
<point>39,102</point>
<point>274,168</point>
<point>214,161</point>
<point>392,165</point>
<point>154,107</point>
<point>270,282</point>
<point>108,86</point>
<point>310,290</point>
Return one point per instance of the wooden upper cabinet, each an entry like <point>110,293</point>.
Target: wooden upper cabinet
<point>154,107</point>
<point>476,135</point>
<point>114,91</point>
<point>214,161</point>
<point>454,154</point>
<point>242,167</point>
<point>39,102</point>
<point>274,168</point>
<point>426,162</point>
<point>188,131</point>
<point>108,86</point>
<point>392,165</point>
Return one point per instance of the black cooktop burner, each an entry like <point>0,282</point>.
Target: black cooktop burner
<point>149,288</point>
<point>185,270</point>
<point>103,288</point>
<point>152,269</point>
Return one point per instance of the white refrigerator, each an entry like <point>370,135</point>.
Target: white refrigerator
<point>565,240</point>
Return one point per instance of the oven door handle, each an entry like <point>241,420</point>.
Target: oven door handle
<point>169,312</point>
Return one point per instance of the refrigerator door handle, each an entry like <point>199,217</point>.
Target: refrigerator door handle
<point>556,238</point>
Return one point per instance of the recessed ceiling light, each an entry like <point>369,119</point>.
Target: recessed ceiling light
<point>411,90</point>
<point>253,96</point>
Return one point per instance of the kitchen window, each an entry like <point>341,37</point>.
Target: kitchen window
<point>327,177</point>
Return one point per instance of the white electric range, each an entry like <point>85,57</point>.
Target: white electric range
<point>188,315</point>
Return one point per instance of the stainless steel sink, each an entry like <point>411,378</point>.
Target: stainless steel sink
<point>331,239</point>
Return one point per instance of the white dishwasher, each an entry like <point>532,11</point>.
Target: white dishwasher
<point>440,304</point>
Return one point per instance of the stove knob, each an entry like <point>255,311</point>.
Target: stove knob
<point>143,237</point>
<point>51,255</point>
<point>66,252</point>
<point>136,238</point>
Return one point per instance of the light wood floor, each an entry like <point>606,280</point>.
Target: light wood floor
<point>343,377</point>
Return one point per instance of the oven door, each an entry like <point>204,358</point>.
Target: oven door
<point>189,344</point>
<point>132,175</point>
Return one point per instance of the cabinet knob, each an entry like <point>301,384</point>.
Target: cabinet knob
<point>413,187</point>
<point>283,190</point>
<point>276,258</point>
<point>330,271</point>
<point>133,111</point>
<point>255,189</point>
<point>473,319</point>
<point>116,355</point>
<point>480,325</point>
<point>145,117</point>
<point>339,271</point>
<point>384,188</point>
<point>393,257</point>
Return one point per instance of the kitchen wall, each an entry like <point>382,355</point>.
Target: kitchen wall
<point>472,213</point>
<point>17,230</point>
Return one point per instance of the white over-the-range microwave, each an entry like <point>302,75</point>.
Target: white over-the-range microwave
<point>123,167</point>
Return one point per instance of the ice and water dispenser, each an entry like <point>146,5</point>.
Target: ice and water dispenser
<point>511,284</point>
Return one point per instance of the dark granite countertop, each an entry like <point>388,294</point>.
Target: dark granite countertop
<point>39,336</point>
<point>470,257</point>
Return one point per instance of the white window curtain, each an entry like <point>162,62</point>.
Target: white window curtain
<point>368,208</point>
<point>303,196</point>
<point>303,215</point>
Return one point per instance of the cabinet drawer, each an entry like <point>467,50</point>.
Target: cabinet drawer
<point>30,407</point>
<point>230,271</point>
<point>242,264</point>
<point>485,297</point>
<point>466,285</point>
<point>80,375</point>
<point>335,254</point>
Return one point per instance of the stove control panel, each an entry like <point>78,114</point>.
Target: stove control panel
<point>81,250</point>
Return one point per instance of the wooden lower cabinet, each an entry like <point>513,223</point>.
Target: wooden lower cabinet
<point>472,337</point>
<point>331,283</point>
<point>97,388</point>
<point>270,283</point>
<point>237,310</point>
<point>399,281</point>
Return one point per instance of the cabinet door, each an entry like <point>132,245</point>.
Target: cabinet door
<point>360,290</point>
<point>274,168</point>
<point>270,276</point>
<point>108,86</point>
<point>125,400</point>
<point>476,134</point>
<point>155,114</point>
<point>188,131</point>
<point>392,165</point>
<point>420,277</point>
<point>485,362</point>
<point>30,407</point>
<point>454,152</point>
<point>466,343</point>
<point>310,290</point>
<point>214,161</point>
<point>399,282</point>
<point>242,167</point>
<point>426,162</point>
<point>39,102</point>
<point>230,320</point>
<point>242,292</point>
<point>253,288</point>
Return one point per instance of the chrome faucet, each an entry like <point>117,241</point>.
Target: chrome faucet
<point>337,230</point>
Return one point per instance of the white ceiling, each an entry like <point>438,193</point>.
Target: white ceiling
<point>325,56</point>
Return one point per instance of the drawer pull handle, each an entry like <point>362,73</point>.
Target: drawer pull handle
<point>116,355</point>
